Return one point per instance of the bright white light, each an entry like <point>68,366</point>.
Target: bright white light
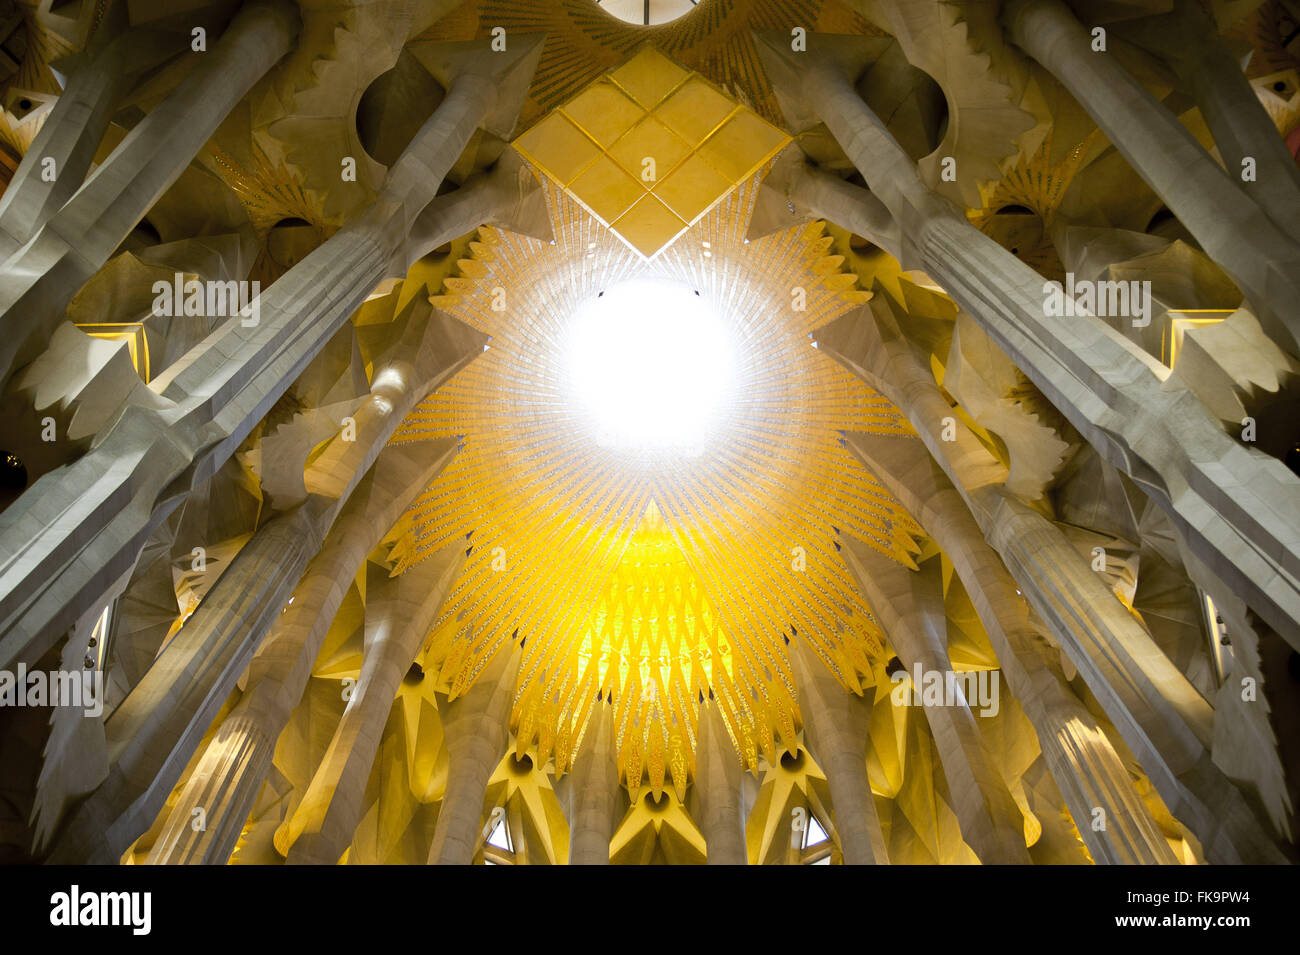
<point>652,366</point>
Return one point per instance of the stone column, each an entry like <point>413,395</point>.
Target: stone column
<point>80,528</point>
<point>153,732</point>
<point>430,350</point>
<point>399,614</point>
<point>1233,230</point>
<point>835,725</point>
<point>509,196</point>
<point>909,606</point>
<point>1160,716</point>
<point>1233,504</point>
<point>716,803</point>
<point>796,191</point>
<point>39,280</point>
<point>594,791</point>
<point>475,730</point>
<point>231,770</point>
<point>1087,770</point>
<point>1188,40</point>
<point>73,130</point>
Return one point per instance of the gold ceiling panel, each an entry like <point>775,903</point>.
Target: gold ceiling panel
<point>649,148</point>
<point>666,581</point>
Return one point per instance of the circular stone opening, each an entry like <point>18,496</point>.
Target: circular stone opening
<point>394,107</point>
<point>521,766</point>
<point>650,367</point>
<point>657,805</point>
<point>646,13</point>
<point>290,241</point>
<point>792,762</point>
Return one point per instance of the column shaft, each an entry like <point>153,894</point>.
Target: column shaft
<point>1087,770</point>
<point>39,280</point>
<point>717,803</point>
<point>836,725</point>
<point>108,502</point>
<point>152,734</point>
<point>475,730</point>
<point>399,614</point>
<point>909,606</point>
<point>1157,712</point>
<point>1233,504</point>
<point>1233,230</point>
<point>232,768</point>
<point>594,786</point>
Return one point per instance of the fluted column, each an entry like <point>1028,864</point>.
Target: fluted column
<point>39,280</point>
<point>73,130</point>
<point>1160,716</point>
<point>835,725</point>
<point>1188,40</point>
<point>229,774</point>
<point>80,528</point>
<point>716,802</point>
<point>593,787</point>
<point>1234,504</point>
<point>1233,230</point>
<point>399,614</point>
<point>475,730</point>
<point>909,606</point>
<point>153,732</point>
<point>1087,770</point>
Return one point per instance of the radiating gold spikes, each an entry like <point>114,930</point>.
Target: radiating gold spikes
<point>659,584</point>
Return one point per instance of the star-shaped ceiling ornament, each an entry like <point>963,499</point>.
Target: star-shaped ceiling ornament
<point>655,580</point>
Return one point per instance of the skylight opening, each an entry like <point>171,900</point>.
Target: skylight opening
<point>647,12</point>
<point>651,366</point>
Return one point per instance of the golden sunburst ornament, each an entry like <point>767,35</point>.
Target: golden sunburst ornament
<point>653,527</point>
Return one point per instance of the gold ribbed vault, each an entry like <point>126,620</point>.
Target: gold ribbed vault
<point>657,580</point>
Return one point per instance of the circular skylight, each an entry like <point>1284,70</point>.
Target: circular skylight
<point>647,12</point>
<point>651,367</point>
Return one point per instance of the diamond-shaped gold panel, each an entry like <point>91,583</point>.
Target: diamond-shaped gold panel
<point>649,77</point>
<point>649,148</point>
<point>608,190</point>
<point>649,225</point>
<point>559,147</point>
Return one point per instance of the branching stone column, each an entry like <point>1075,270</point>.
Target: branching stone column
<point>1160,716</point>
<point>716,798</point>
<point>399,614</point>
<point>475,730</point>
<point>508,196</point>
<point>73,131</point>
<point>432,348</point>
<point>73,534</point>
<point>796,191</point>
<point>1088,771</point>
<point>1233,230</point>
<point>1234,505</point>
<point>594,791</point>
<point>835,724</point>
<point>153,732</point>
<point>39,280</point>
<point>232,769</point>
<point>1188,40</point>
<point>909,606</point>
